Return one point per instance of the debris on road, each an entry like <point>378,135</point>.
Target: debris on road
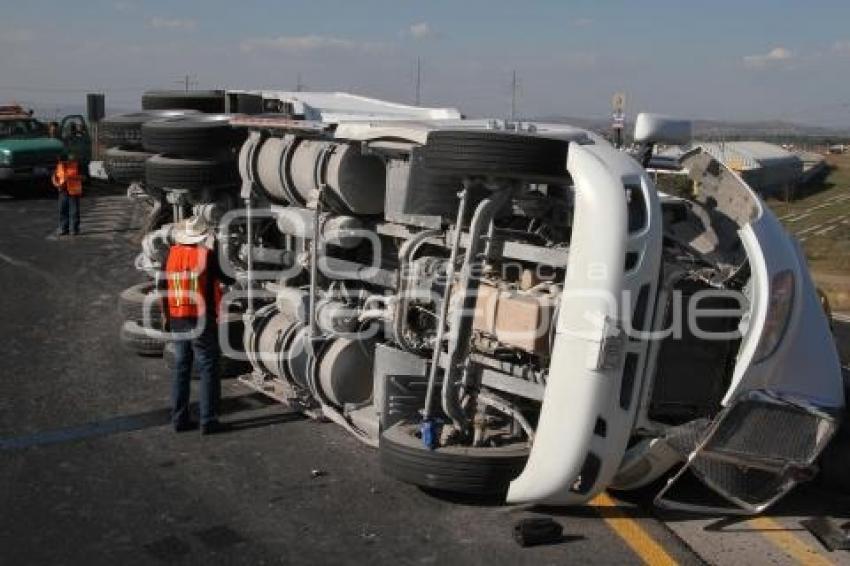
<point>828,533</point>
<point>537,531</point>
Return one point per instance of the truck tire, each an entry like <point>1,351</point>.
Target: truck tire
<point>479,471</point>
<point>191,135</point>
<point>125,165</point>
<point>126,129</point>
<point>209,101</point>
<point>190,174</point>
<point>496,154</point>
<point>136,340</point>
<point>131,304</point>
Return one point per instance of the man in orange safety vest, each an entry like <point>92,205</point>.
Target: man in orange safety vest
<point>69,182</point>
<point>193,281</point>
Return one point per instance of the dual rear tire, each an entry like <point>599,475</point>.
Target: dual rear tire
<point>194,153</point>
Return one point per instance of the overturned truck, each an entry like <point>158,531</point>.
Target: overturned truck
<point>514,308</point>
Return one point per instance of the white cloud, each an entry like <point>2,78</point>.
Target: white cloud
<point>583,22</point>
<point>420,30</point>
<point>841,47</point>
<point>775,55</point>
<point>304,43</point>
<point>172,24</point>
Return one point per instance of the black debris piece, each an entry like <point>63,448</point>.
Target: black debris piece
<point>537,531</point>
<point>828,533</point>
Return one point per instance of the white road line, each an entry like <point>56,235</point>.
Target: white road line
<point>53,280</point>
<point>810,229</point>
<point>827,203</point>
<point>796,218</point>
<point>845,318</point>
<point>823,227</point>
<point>104,217</point>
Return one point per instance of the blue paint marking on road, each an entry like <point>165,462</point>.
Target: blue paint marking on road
<point>127,423</point>
<point>87,431</point>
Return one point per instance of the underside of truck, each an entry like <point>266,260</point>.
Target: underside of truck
<point>503,308</point>
<point>411,292</point>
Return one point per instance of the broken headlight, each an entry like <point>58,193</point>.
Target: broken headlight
<point>778,312</point>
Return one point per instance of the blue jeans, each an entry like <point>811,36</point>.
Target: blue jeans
<point>69,212</point>
<point>204,349</point>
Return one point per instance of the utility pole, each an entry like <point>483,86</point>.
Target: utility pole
<point>618,117</point>
<point>187,82</point>
<point>418,80</point>
<point>513,96</point>
<point>298,85</point>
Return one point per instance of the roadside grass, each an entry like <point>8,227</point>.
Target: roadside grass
<point>819,216</point>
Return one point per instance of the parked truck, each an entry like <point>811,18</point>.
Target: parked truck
<point>506,307</point>
<point>28,154</point>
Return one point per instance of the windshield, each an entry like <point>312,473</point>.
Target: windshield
<point>21,128</point>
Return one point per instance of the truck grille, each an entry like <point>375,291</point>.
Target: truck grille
<point>749,485</point>
<point>750,430</point>
<point>760,447</point>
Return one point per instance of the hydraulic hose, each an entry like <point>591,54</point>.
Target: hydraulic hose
<point>466,289</point>
<point>444,307</point>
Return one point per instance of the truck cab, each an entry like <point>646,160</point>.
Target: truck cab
<point>28,153</point>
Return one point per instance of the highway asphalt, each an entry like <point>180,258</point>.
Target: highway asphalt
<point>91,473</point>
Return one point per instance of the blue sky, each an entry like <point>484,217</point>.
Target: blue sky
<point>718,59</point>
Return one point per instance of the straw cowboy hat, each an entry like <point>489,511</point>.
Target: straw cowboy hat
<point>194,230</point>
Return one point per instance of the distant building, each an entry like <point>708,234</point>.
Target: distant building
<point>767,168</point>
<point>814,166</point>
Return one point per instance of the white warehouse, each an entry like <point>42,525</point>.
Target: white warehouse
<point>766,167</point>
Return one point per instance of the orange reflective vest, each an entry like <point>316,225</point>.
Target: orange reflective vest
<point>67,177</point>
<point>188,284</point>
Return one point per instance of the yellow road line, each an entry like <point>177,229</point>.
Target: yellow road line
<point>788,542</point>
<point>650,551</point>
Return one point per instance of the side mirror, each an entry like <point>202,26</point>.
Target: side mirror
<point>655,128</point>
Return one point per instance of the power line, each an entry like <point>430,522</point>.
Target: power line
<point>418,81</point>
<point>186,81</point>
<point>513,95</point>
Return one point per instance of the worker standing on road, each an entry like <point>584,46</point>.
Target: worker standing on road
<point>69,182</point>
<point>193,282</point>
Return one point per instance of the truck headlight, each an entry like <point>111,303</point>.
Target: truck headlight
<point>778,312</point>
<point>5,158</point>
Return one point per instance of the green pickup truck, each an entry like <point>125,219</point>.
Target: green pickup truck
<point>28,153</point>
